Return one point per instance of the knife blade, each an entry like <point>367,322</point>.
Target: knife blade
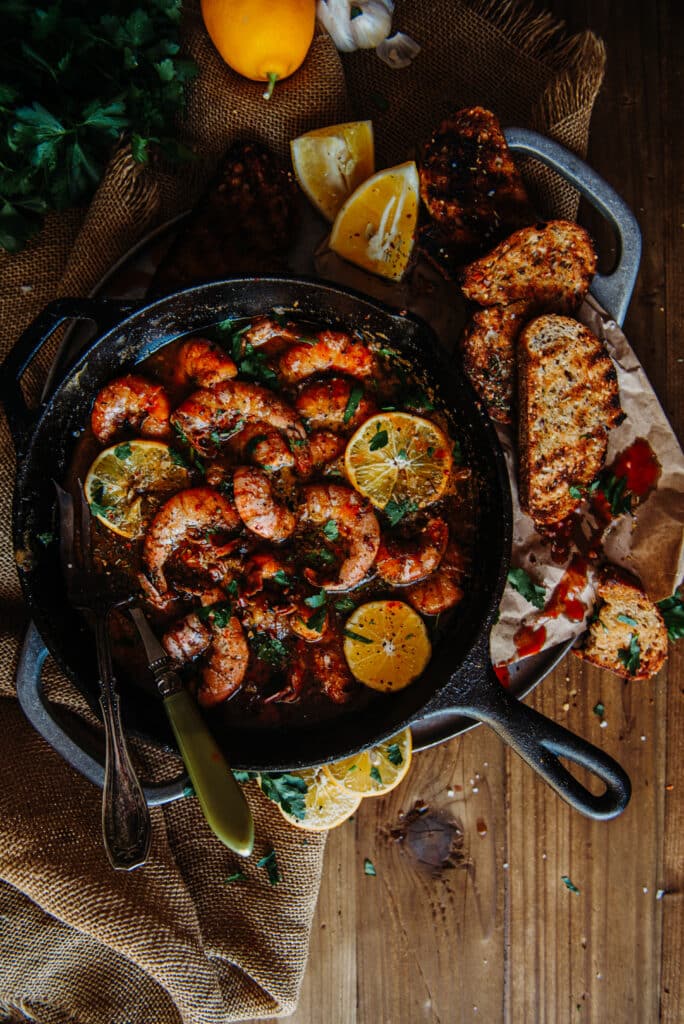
<point>221,798</point>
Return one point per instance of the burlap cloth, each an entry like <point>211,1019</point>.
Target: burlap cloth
<point>173,942</point>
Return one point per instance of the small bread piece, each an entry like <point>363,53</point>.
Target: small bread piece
<point>243,223</point>
<point>567,402</point>
<point>471,188</point>
<point>628,635</point>
<point>548,266</point>
<point>488,350</point>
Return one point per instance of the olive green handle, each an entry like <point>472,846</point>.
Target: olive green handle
<point>220,796</point>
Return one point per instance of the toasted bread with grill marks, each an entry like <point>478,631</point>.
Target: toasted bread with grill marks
<point>488,352</point>
<point>243,224</point>
<point>567,402</point>
<point>628,635</point>
<point>471,188</point>
<point>547,266</point>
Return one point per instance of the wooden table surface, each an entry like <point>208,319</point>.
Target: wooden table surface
<point>494,934</point>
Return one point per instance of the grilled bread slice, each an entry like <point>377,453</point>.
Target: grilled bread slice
<point>244,223</point>
<point>548,266</point>
<point>567,402</point>
<point>488,351</point>
<point>470,186</point>
<point>628,635</point>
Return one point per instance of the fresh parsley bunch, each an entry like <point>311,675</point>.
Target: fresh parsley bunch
<point>72,82</point>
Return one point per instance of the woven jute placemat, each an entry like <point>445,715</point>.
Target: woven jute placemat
<point>173,942</point>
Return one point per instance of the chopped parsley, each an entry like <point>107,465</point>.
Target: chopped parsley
<point>368,867</point>
<point>394,754</point>
<point>355,396</point>
<point>100,510</point>
<point>287,790</point>
<point>521,581</point>
<point>45,538</point>
<point>331,530</point>
<point>237,876</point>
<point>631,656</point>
<point>357,636</point>
<point>569,884</point>
<point>574,492</point>
<point>282,579</point>
<point>243,776</point>
<point>614,490</point>
<point>218,614</point>
<point>123,451</point>
<point>379,440</point>
<point>344,605</point>
<point>179,459</point>
<point>269,862</point>
<point>627,620</point>
<point>317,620</point>
<point>375,775</point>
<point>415,398</point>
<point>320,557</point>
<point>316,600</point>
<point>457,453</point>
<point>599,709</point>
<point>672,611</point>
<point>396,510</point>
<point>269,649</point>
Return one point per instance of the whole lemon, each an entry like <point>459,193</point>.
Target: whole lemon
<point>264,40</point>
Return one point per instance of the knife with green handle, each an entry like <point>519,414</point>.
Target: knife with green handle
<point>221,798</point>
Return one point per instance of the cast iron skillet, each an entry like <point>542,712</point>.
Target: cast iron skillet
<point>459,675</point>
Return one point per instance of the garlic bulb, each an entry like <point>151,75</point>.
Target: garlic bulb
<point>398,51</point>
<point>361,32</point>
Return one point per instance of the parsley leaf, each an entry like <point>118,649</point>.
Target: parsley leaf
<point>316,600</point>
<point>269,862</point>
<point>237,876</point>
<point>269,649</point>
<point>569,885</point>
<point>599,709</point>
<point>123,451</point>
<point>368,867</point>
<point>379,440</point>
<point>243,776</point>
<point>574,492</point>
<point>522,582</point>
<point>614,490</point>
<point>627,620</point>
<point>46,538</point>
<point>375,775</point>
<point>672,611</point>
<point>344,605</point>
<point>357,636</point>
<point>355,396</point>
<point>631,656</point>
<point>394,754</point>
<point>218,614</point>
<point>330,530</point>
<point>287,790</point>
<point>415,398</point>
<point>317,620</point>
<point>396,510</point>
<point>282,578</point>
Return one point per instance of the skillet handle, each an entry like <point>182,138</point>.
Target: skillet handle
<point>540,742</point>
<point>105,312</point>
<point>614,290</point>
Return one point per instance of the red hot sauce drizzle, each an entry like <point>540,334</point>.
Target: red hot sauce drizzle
<point>529,640</point>
<point>563,601</point>
<point>639,466</point>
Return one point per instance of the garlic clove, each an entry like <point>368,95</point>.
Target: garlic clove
<point>371,23</point>
<point>398,51</point>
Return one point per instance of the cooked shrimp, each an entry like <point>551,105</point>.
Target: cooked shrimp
<point>332,672</point>
<point>134,402</point>
<point>402,561</point>
<point>325,447</point>
<point>202,363</point>
<point>295,676</point>
<point>220,634</point>
<point>302,620</point>
<point>323,404</point>
<point>262,567</point>
<point>207,414</point>
<point>261,444</point>
<point>270,337</point>
<point>332,351</point>
<point>357,526</point>
<point>258,509</point>
<point>442,590</point>
<point>194,514</point>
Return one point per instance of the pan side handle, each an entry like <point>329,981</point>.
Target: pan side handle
<point>66,734</point>
<point>541,742</point>
<point>614,290</point>
<point>105,312</point>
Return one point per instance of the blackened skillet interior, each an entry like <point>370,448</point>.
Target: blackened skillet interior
<point>67,410</point>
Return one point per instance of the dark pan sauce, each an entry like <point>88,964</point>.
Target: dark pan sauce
<point>394,387</point>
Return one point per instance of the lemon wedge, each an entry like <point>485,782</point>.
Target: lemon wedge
<point>375,229</point>
<point>329,163</point>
